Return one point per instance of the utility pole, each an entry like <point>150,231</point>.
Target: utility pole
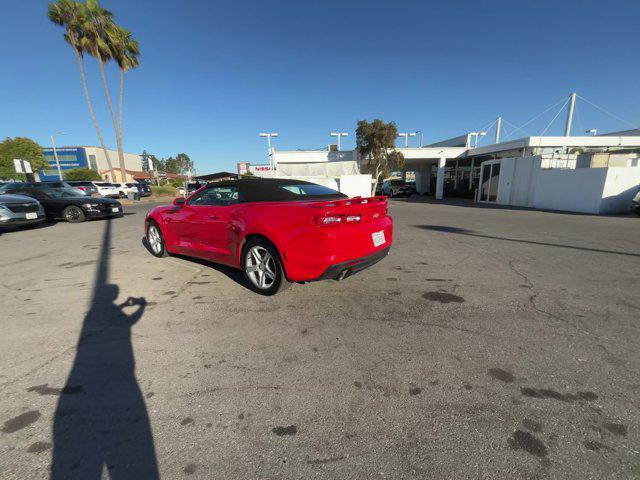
<point>498,127</point>
<point>339,134</point>
<point>55,153</point>
<point>421,137</point>
<point>572,104</point>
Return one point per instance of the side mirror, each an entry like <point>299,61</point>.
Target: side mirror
<point>179,202</point>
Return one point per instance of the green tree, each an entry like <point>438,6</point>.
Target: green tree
<point>72,16</point>
<point>24,149</point>
<point>375,142</point>
<point>180,164</point>
<point>82,174</point>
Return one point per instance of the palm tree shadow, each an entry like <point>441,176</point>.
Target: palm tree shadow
<point>101,420</point>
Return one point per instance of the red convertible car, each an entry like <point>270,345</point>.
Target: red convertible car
<point>276,230</point>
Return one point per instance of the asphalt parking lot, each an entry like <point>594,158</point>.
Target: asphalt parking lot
<point>491,343</point>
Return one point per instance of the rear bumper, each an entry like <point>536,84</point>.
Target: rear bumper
<point>342,270</point>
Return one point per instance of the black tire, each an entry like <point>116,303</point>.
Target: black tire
<point>161,250</point>
<point>272,271</point>
<point>73,214</point>
<point>638,211</point>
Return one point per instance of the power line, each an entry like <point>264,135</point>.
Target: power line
<point>556,116</point>
<point>613,115</point>
<point>514,127</point>
<point>537,116</point>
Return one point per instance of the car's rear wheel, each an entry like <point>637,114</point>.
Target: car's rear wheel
<point>73,214</point>
<point>262,267</point>
<point>156,240</point>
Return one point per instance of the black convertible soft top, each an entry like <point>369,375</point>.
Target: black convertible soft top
<point>279,190</point>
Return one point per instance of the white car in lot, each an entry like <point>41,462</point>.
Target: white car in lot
<point>107,189</point>
<point>125,188</point>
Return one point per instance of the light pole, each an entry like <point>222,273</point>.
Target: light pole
<point>406,138</point>
<point>421,137</point>
<point>55,152</point>
<point>476,135</point>
<point>269,135</point>
<point>592,131</point>
<point>339,134</point>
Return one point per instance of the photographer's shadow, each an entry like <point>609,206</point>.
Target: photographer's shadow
<point>101,420</point>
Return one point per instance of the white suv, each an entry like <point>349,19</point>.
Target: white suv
<point>107,189</point>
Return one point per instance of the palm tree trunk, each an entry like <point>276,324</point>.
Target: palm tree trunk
<point>92,114</point>
<point>123,172</point>
<point>121,97</point>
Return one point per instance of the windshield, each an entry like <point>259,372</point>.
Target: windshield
<point>64,192</point>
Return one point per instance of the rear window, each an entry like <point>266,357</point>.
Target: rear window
<point>309,190</point>
<point>104,184</point>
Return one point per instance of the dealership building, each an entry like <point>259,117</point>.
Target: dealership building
<point>589,174</point>
<point>86,157</point>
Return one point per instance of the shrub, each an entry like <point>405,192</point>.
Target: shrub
<point>176,182</point>
<point>82,174</point>
<point>164,190</point>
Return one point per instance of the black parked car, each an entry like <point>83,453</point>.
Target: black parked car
<point>635,204</point>
<point>67,204</point>
<point>86,186</point>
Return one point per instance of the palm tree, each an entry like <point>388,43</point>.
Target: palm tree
<point>95,41</point>
<point>72,15</point>
<point>125,51</point>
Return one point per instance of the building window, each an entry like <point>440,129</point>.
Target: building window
<point>92,162</point>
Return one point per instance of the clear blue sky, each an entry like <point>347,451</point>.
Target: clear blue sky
<point>214,74</point>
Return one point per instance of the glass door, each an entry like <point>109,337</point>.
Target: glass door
<point>489,181</point>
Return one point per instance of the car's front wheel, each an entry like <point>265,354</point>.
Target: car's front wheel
<point>263,268</point>
<point>155,240</point>
<point>73,214</point>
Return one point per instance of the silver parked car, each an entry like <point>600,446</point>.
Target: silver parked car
<point>20,210</point>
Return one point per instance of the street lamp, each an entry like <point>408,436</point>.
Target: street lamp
<point>339,134</point>
<point>406,138</point>
<point>476,135</point>
<point>592,131</point>
<point>55,152</point>
<point>269,135</point>
<point>421,137</point>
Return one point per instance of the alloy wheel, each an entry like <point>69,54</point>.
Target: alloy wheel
<point>260,267</point>
<point>155,241</point>
<point>72,214</point>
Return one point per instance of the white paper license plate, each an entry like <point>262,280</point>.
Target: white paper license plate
<point>378,238</point>
<point>115,209</point>
<point>31,215</point>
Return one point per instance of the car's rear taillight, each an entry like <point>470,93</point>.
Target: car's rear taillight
<point>82,188</point>
<point>329,220</point>
<point>337,219</point>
